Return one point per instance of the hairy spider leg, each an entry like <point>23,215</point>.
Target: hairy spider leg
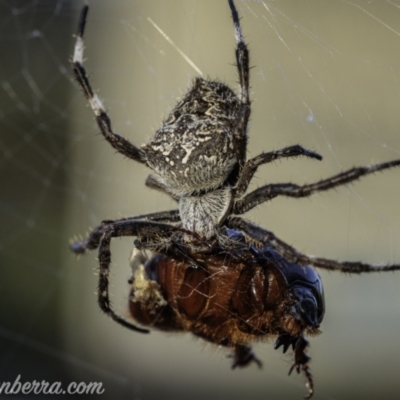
<point>122,145</point>
<point>289,253</point>
<point>247,169</point>
<point>242,63</point>
<point>101,238</point>
<point>93,240</point>
<point>268,192</point>
<point>252,165</point>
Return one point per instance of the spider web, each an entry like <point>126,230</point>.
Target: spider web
<point>326,75</point>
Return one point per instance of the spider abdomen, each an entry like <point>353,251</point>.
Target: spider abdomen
<point>203,214</point>
<point>192,151</point>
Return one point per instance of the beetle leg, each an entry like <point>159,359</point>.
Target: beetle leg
<point>301,360</point>
<point>285,340</point>
<point>243,355</point>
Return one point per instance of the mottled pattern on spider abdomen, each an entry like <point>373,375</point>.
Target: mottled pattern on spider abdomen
<point>232,301</point>
<point>192,151</point>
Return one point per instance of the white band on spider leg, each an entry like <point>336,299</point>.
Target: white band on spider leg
<point>78,52</point>
<point>238,34</point>
<point>96,104</point>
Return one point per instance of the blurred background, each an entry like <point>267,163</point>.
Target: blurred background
<point>326,75</point>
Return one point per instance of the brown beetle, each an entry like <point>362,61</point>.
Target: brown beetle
<point>231,298</point>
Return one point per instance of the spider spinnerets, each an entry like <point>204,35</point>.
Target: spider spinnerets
<point>210,272</point>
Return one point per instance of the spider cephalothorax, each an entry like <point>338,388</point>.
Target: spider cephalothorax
<point>216,275</point>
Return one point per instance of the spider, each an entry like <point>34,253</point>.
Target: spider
<point>209,271</point>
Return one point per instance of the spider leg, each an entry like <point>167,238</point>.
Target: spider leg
<point>104,280</point>
<point>93,240</point>
<point>268,192</point>
<point>267,238</point>
<point>153,183</point>
<point>122,145</point>
<point>102,236</point>
<point>252,165</point>
<point>242,62</point>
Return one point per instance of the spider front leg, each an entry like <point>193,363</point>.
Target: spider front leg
<point>104,280</point>
<point>122,145</point>
<point>93,240</point>
<point>101,238</point>
<point>267,238</point>
<point>268,192</point>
